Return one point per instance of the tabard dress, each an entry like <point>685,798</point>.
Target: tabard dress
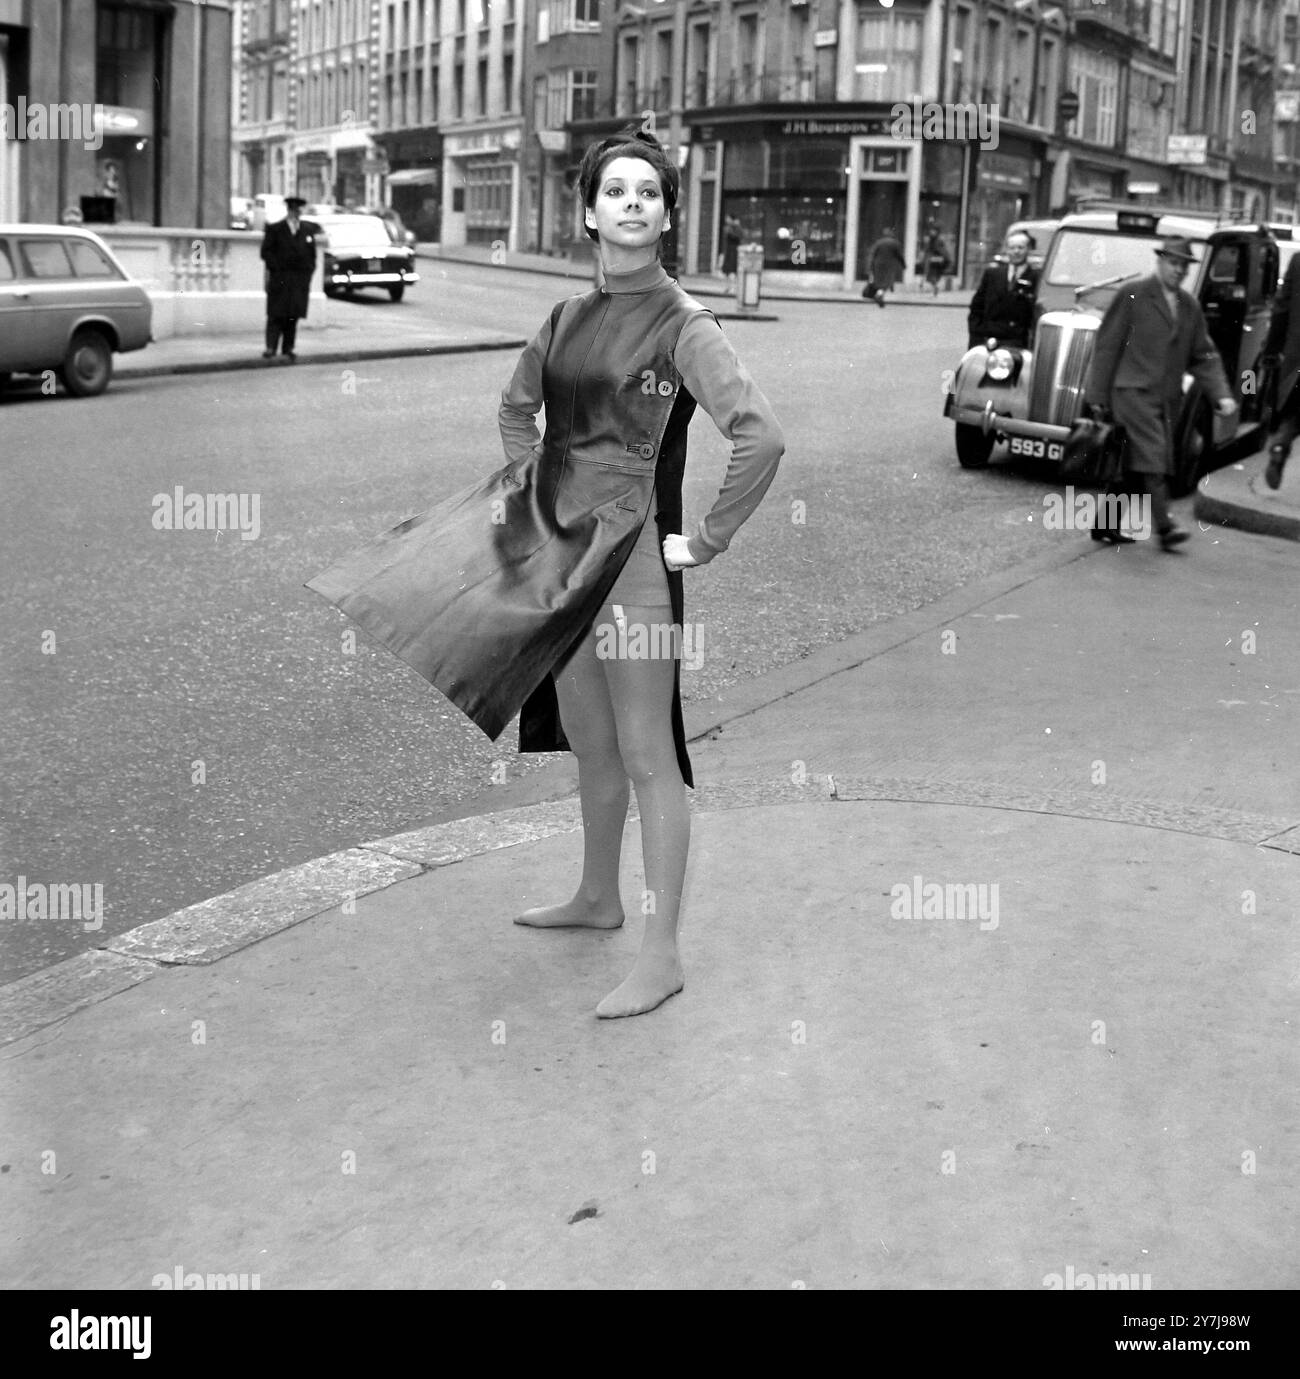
<point>489,592</point>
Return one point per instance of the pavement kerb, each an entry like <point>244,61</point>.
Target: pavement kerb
<point>1232,497</point>
<point>326,356</point>
<point>704,287</point>
<point>211,929</point>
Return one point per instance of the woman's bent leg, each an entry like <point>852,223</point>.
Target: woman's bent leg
<point>588,718</point>
<point>641,689</point>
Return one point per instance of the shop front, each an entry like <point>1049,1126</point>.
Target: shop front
<point>1005,190</point>
<point>481,181</point>
<point>412,178</point>
<point>814,192</point>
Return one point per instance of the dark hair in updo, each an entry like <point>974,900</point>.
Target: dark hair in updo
<point>631,143</point>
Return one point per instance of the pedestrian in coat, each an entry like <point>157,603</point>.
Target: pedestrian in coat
<point>289,252</point>
<point>935,259</point>
<point>1153,333</point>
<point>885,266</point>
<point>1283,343</point>
<point>554,588</point>
<point>732,230</point>
<point>1002,308</point>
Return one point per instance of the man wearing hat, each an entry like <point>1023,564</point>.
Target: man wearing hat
<point>289,252</point>
<point>1152,333</point>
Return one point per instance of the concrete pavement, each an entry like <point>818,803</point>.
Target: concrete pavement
<point>991,966</point>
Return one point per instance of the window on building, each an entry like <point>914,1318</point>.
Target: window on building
<point>961,54</point>
<point>629,75</point>
<point>1019,94</point>
<point>698,59</point>
<point>1045,97</point>
<point>663,87</point>
<point>540,109</point>
<point>508,81</point>
<point>994,59</point>
<point>888,59</point>
<point>747,58</point>
<point>1094,77</point>
<point>458,91</point>
<point>583,106</point>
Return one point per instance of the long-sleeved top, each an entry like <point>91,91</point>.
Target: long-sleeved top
<point>715,378</point>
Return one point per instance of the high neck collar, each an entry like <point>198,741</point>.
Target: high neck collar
<point>639,280</point>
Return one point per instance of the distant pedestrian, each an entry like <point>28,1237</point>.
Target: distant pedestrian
<point>1152,334</point>
<point>885,266</point>
<point>1283,343</point>
<point>732,231</point>
<point>935,260</point>
<point>1002,308</point>
<point>289,252</point>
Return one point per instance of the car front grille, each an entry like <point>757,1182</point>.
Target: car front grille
<point>1062,354</point>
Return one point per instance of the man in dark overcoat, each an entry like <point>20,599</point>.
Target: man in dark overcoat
<point>1283,342</point>
<point>289,252</point>
<point>885,264</point>
<point>1153,333</point>
<point>1002,308</point>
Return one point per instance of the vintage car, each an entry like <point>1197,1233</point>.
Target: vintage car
<point>1031,398</point>
<point>359,252</point>
<point>66,304</point>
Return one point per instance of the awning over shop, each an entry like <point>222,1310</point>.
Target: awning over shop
<point>414,177</point>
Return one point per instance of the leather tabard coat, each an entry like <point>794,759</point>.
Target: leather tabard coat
<point>488,593</point>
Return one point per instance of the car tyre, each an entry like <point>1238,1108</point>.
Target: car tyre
<point>330,290</point>
<point>88,365</point>
<point>397,292</point>
<point>973,447</point>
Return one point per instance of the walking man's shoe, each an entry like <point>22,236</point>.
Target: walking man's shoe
<point>270,354</point>
<point>1277,457</point>
<point>1175,536</point>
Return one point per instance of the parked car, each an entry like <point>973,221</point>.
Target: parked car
<point>359,252</point>
<point>66,304</point>
<point>241,212</point>
<point>1031,398</point>
<point>1288,245</point>
<point>397,230</point>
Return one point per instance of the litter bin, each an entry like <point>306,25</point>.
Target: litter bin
<point>749,276</point>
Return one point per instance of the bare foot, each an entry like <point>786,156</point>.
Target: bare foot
<point>654,978</point>
<point>574,914</point>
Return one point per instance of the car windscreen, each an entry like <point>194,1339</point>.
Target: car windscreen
<point>1089,256</point>
<point>363,232</point>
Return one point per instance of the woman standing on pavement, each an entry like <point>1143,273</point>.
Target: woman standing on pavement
<point>629,361</point>
<point>553,588</point>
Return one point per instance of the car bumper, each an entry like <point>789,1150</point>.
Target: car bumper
<point>995,424</point>
<point>344,277</point>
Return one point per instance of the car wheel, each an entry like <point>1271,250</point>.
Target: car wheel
<point>973,447</point>
<point>4,381</point>
<point>396,293</point>
<point>330,290</point>
<point>1194,453</point>
<point>88,364</point>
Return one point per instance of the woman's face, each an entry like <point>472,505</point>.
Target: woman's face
<point>629,209</point>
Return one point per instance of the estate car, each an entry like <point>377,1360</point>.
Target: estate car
<point>1031,398</point>
<point>66,304</point>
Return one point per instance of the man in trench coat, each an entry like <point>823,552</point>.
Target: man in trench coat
<point>1153,333</point>
<point>1284,341</point>
<point>885,264</point>
<point>289,252</point>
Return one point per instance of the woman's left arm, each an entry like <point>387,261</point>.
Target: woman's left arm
<point>721,384</point>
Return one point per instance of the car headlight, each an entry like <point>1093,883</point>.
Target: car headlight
<point>1000,365</point>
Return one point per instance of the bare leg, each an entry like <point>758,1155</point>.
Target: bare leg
<point>588,718</point>
<point>641,691</point>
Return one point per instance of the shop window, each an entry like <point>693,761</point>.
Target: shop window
<point>744,165</point>
<point>130,74</point>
